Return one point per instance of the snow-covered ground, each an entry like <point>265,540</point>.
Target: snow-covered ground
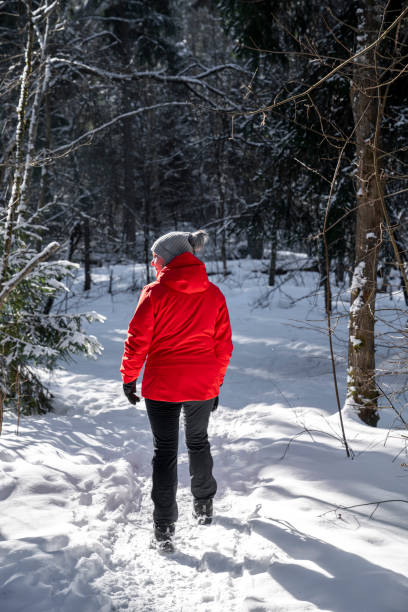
<point>75,501</point>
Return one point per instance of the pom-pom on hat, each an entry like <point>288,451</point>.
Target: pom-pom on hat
<point>174,243</point>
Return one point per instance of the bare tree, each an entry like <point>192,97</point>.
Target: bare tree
<point>367,106</point>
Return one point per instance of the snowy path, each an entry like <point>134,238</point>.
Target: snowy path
<point>75,491</point>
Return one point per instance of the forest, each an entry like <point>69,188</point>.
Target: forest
<point>280,128</point>
<point>268,125</point>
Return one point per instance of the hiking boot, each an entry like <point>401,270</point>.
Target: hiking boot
<point>163,536</point>
<point>203,511</point>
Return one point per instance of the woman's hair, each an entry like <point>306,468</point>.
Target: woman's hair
<point>198,240</point>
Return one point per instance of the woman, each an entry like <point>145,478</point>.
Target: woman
<point>181,325</point>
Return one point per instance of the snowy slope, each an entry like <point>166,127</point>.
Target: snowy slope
<point>75,503</point>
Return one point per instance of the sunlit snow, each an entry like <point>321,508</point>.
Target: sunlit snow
<point>75,504</point>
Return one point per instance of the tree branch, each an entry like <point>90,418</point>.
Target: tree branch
<point>332,72</point>
<point>13,282</point>
<point>67,148</point>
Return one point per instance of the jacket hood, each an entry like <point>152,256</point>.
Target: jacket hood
<point>185,273</point>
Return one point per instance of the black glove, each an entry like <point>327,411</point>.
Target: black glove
<point>215,404</point>
<point>129,389</point>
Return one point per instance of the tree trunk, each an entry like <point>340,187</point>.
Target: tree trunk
<point>222,204</point>
<point>404,259</point>
<point>255,242</point>
<point>74,238</point>
<point>129,196</point>
<point>87,255</point>
<point>47,138</point>
<point>129,191</point>
<point>255,237</point>
<point>274,246</point>
<point>367,110</point>
<point>146,227</point>
<point>324,271</point>
<point>146,248</point>
<point>20,131</point>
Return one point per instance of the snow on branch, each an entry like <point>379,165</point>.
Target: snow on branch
<point>150,74</point>
<point>93,69</point>
<point>15,280</point>
<point>44,11</point>
<point>162,77</point>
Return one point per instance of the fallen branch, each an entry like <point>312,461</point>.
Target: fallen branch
<point>376,503</point>
<point>309,432</point>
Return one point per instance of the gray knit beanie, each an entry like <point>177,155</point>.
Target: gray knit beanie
<point>174,243</point>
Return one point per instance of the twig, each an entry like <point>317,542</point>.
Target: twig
<point>312,170</point>
<point>392,406</point>
<point>309,432</point>
<point>328,287</point>
<point>376,503</point>
<point>350,59</point>
<point>399,453</point>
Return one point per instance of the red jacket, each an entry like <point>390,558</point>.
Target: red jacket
<point>182,325</point>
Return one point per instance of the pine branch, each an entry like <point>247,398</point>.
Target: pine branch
<point>13,282</point>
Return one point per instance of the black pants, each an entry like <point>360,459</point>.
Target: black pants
<point>164,420</point>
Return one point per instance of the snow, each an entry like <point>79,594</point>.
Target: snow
<point>358,280</point>
<point>75,485</point>
<point>355,341</point>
